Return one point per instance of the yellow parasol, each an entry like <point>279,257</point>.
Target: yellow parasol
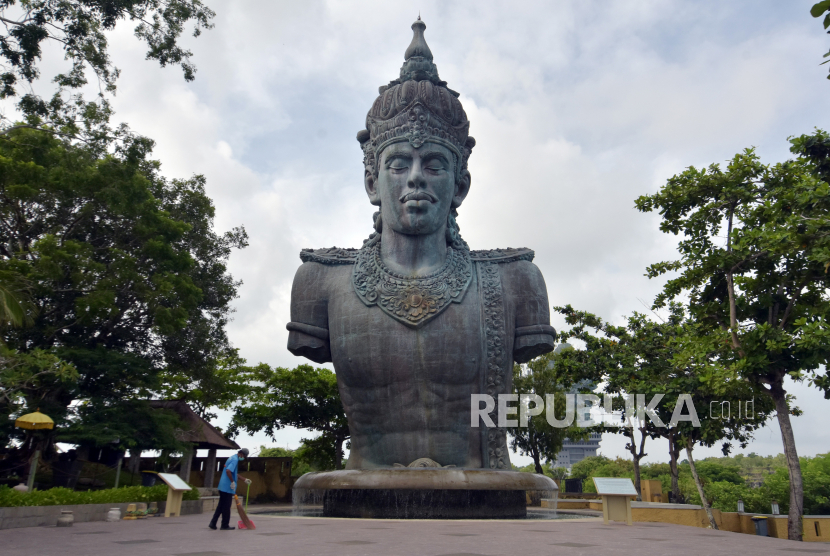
<point>34,421</point>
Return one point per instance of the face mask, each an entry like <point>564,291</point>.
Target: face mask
<point>241,458</point>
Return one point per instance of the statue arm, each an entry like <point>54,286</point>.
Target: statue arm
<point>308,333</point>
<point>533,335</point>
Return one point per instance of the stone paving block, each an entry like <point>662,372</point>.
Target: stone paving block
<point>93,533</point>
<point>274,534</point>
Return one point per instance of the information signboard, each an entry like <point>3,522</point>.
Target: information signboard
<point>620,487</point>
<point>174,481</point>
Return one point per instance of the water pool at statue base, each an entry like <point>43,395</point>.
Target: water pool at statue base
<point>532,514</point>
<point>423,493</point>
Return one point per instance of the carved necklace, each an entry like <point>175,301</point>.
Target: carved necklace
<point>411,300</point>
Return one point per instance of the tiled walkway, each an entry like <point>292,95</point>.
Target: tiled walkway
<point>290,536</point>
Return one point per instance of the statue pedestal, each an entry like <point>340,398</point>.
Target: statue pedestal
<point>421,493</point>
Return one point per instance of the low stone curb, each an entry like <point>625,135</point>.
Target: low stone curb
<point>45,516</point>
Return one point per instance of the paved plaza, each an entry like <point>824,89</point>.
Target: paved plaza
<point>290,536</point>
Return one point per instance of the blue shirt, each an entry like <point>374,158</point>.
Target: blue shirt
<point>231,464</point>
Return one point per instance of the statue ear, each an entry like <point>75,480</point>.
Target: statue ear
<point>462,188</point>
<point>370,183</point>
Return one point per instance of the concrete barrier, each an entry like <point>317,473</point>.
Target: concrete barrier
<point>46,516</point>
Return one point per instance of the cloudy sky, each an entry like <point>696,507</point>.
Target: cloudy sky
<point>578,107</point>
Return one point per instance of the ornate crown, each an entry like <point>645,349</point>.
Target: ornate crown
<point>418,108</point>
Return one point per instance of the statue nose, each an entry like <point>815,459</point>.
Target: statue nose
<point>416,177</point>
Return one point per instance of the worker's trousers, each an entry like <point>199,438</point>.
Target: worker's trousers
<point>223,509</point>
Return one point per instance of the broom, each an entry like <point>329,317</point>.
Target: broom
<point>245,520</point>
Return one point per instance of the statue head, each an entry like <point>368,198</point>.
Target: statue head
<point>415,149</point>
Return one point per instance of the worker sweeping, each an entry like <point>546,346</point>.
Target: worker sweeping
<point>227,488</point>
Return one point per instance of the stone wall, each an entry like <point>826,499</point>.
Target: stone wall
<point>46,516</point>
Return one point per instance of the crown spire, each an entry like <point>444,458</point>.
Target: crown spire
<point>418,64</point>
<point>418,46</point>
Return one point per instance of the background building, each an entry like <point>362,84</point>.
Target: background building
<point>575,451</point>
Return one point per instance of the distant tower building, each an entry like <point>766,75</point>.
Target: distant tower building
<point>575,451</point>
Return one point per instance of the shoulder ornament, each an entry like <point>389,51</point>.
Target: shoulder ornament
<point>499,256</point>
<point>329,256</point>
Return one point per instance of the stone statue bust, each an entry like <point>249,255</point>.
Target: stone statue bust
<point>414,321</point>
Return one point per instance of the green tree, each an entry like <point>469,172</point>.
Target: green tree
<point>586,466</point>
<point>15,306</point>
<point>216,381</point>
<point>650,359</point>
<point>630,360</point>
<point>539,439</point>
<point>310,456</point>
<point>603,468</point>
<point>146,428</point>
<point>304,397</point>
<point>27,372</point>
<point>275,452</point>
<point>753,263</point>
<point>128,275</point>
<point>80,28</point>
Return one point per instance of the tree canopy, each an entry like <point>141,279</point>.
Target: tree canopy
<point>304,397</point>
<point>754,262</point>
<point>128,277</point>
<point>80,28</point>
<point>539,439</point>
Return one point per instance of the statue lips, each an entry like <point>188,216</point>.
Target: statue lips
<point>418,196</point>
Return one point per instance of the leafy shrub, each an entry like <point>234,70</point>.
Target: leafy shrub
<point>607,468</point>
<point>585,468</point>
<point>716,472</point>
<point>816,488</point>
<point>60,496</point>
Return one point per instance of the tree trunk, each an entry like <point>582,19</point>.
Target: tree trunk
<point>674,455</point>
<point>637,479</point>
<point>794,525</point>
<point>636,456</point>
<point>537,462</point>
<point>135,460</point>
<point>82,455</point>
<point>703,501</point>
<point>338,453</point>
<point>164,461</point>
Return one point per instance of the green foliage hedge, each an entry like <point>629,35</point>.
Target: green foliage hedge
<point>725,480</point>
<point>64,497</point>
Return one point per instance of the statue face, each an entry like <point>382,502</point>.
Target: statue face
<point>416,187</point>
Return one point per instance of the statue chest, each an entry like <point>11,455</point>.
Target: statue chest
<point>372,350</point>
